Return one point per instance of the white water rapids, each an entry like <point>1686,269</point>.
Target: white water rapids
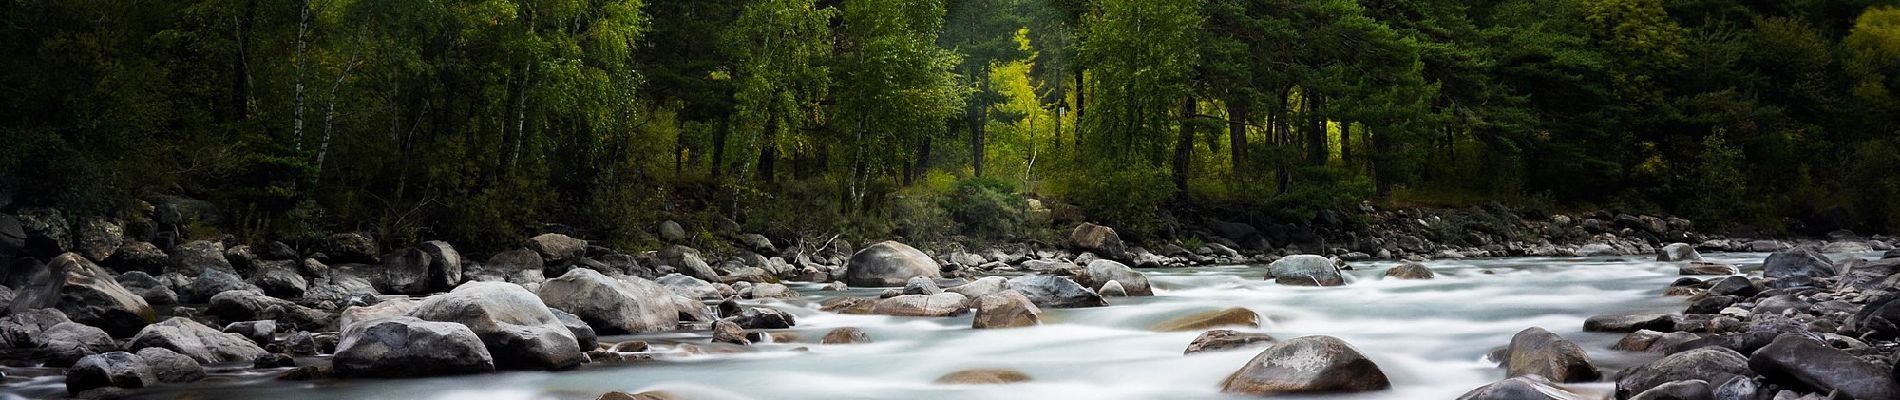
<point>1429,336</point>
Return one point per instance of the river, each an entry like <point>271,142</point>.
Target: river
<point>1429,336</point>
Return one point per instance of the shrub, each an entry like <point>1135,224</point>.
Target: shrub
<point>984,207</point>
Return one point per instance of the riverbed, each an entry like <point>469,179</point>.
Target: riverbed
<point>1430,337</point>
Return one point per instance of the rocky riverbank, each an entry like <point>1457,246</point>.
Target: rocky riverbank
<point>116,306</point>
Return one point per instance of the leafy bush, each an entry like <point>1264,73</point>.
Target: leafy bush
<point>984,207</point>
<point>1318,189</point>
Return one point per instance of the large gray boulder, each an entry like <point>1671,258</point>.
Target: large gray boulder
<point>1528,387</point>
<point>1307,364</point>
<point>919,305</point>
<point>67,342</point>
<point>212,281</point>
<point>115,369</point>
<point>1098,239</point>
<point>171,367</point>
<point>556,247</point>
<point>279,278</point>
<point>1305,270</point>
<point>1796,267</point>
<point>138,256</point>
<point>688,262</point>
<point>518,265</point>
<point>98,239</point>
<point>1101,272</point>
<point>888,264</point>
<point>195,340</point>
<point>91,296</point>
<point>409,347</point>
<point>251,305</point>
<point>445,265</point>
<point>405,271</point>
<point>350,248</point>
<point>1055,292</point>
<point>1008,309</point>
<point>1797,361</point>
<point>1536,351</point>
<point>23,328</point>
<point>512,322</point>
<point>612,305</point>
<point>1410,270</point>
<point>1709,364</point>
<point>194,257</point>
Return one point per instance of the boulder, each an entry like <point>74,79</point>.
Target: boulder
<point>612,305</point>
<point>98,239</point>
<point>201,343</point>
<point>45,232</point>
<point>279,278</point>
<point>1734,286</point>
<point>445,265</point>
<point>514,324</point>
<point>688,261</point>
<point>1796,267</point>
<point>846,335</point>
<point>1536,351</point>
<point>409,347</point>
<point>1055,292</point>
<point>23,328</point>
<point>91,296</point>
<point>758,244</point>
<point>917,305</point>
<point>1674,252</point>
<point>67,342</point>
<point>1693,389</point>
<point>1709,364</point>
<point>1625,323</point>
<point>584,335</point>
<point>350,248</point>
<point>251,305</point>
<point>1307,364</point>
<point>405,271</point>
<point>1098,239</point>
<point>1007,309</point>
<point>262,332</point>
<point>115,369</point>
<point>555,247</point>
<point>1224,340</point>
<point>518,265</point>
<point>1410,270</point>
<point>1528,387</point>
<point>1232,316</point>
<point>689,287</point>
<point>921,285</point>
<point>211,282</point>
<point>138,256</point>
<point>672,232</point>
<point>171,367</point>
<point>1100,272</point>
<point>981,286</point>
<point>888,264</point>
<point>1707,268</point>
<point>35,284</point>
<point>1112,289</point>
<point>1793,360</point>
<point>772,291</point>
<point>388,308</point>
<point>1305,270</point>
<point>197,256</point>
<point>983,376</point>
<point>277,251</point>
<point>724,331</point>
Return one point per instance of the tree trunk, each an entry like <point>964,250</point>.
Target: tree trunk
<point>1345,144</point>
<point>978,115</point>
<point>1315,130</point>
<point>1184,147</point>
<point>719,149</point>
<point>303,27</point>
<point>1237,119</point>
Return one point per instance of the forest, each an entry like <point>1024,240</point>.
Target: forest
<point>479,121</point>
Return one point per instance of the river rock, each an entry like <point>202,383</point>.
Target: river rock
<point>982,286</point>
<point>1707,268</point>
<point>672,232</point>
<point>210,282</point>
<point>262,332</point>
<point>888,264</point>
<point>279,278</point>
<point>387,308</point>
<point>1307,364</point>
<point>114,369</point>
<point>1625,323</point>
<point>758,244</point>
<point>97,239</point>
<point>1528,387</point>
<point>138,256</point>
<point>688,261</point>
<point>846,335</point>
<point>921,285</point>
<point>1709,364</point>
<point>1305,270</point>
<point>983,376</point>
<point>1410,270</point>
<point>409,347</point>
<point>1055,292</point>
<point>250,305</point>
<point>1535,351</point>
<point>201,343</point>
<point>1233,316</point>
<point>445,265</point>
<point>555,247</point>
<point>350,248</point>
<point>1738,286</point>
<point>513,323</point>
<point>518,265</point>
<point>1224,340</point>
<point>690,287</point>
<point>1098,239</point>
<point>772,291</point>
<point>1796,267</point>
<point>1100,272</point>
<point>917,305</point>
<point>23,328</point>
<point>91,296</point>
<point>612,305</point>
<point>170,367</point>
<point>1653,341</point>
<point>197,256</point>
<point>67,342</point>
<point>1678,252</point>
<point>405,271</point>
<point>1794,360</point>
<point>1693,389</point>
<point>1007,309</point>
<point>584,335</point>
<point>724,331</point>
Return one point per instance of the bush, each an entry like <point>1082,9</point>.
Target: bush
<point>1126,198</point>
<point>1318,189</point>
<point>984,207</point>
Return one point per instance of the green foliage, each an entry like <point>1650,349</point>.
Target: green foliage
<point>1320,189</point>
<point>985,208</point>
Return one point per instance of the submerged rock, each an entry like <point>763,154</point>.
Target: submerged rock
<point>1307,364</point>
<point>1678,252</point>
<point>1305,270</point>
<point>1233,316</point>
<point>1100,273</point>
<point>983,376</point>
<point>1009,309</point>
<point>846,335</point>
<point>917,305</point>
<point>1224,340</point>
<point>1528,387</point>
<point>1410,270</point>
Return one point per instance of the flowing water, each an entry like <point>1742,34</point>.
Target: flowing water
<point>1429,336</point>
